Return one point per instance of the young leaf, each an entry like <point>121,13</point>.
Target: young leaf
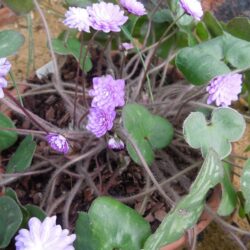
<point>22,158</point>
<point>188,210</point>
<point>148,131</point>
<point>20,7</point>
<point>10,220</point>
<point>7,137</point>
<point>245,185</point>
<point>8,48</point>
<point>117,226</point>
<point>226,126</point>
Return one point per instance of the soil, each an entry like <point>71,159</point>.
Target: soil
<point>127,183</point>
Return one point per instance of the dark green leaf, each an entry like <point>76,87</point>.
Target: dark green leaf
<point>23,156</point>
<point>10,42</point>
<point>35,211</point>
<point>79,3</point>
<point>202,32</point>
<point>199,68</point>
<point>117,226</point>
<point>148,131</point>
<point>239,27</point>
<point>162,16</point>
<point>213,25</point>
<point>85,239</point>
<point>7,138</point>
<point>10,220</point>
<point>20,7</point>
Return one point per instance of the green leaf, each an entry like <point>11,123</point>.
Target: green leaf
<point>79,3</point>
<point>162,16</point>
<point>237,52</point>
<point>85,239</point>
<point>245,185</point>
<point>10,220</point>
<point>20,7</point>
<point>202,32</point>
<point>238,26</point>
<point>72,47</point>
<point>226,126</point>
<point>117,226</point>
<point>35,211</point>
<point>188,210</point>
<point>203,62</point>
<point>213,25</point>
<point>23,156</point>
<point>148,131</point>
<point>199,68</point>
<point>7,138</point>
<point>8,48</point>
<point>12,194</point>
<point>229,195</point>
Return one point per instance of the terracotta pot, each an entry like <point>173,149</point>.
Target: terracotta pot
<point>204,221</point>
<point>7,16</point>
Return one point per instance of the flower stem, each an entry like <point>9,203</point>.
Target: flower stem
<point>26,112</point>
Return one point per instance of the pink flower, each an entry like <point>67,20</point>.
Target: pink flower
<point>108,93</point>
<point>126,46</point>
<point>106,17</point>
<point>100,121</point>
<point>115,143</point>
<point>77,18</point>
<point>224,89</point>
<point>58,142</point>
<point>44,235</point>
<point>134,7</point>
<point>193,8</point>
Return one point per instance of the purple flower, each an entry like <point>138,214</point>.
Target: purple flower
<point>44,235</point>
<point>58,142</point>
<point>100,121</point>
<point>107,92</point>
<point>193,8</point>
<point>126,46</point>
<point>4,67</point>
<point>106,17</point>
<point>224,89</point>
<point>115,143</point>
<point>4,70</point>
<point>134,7</point>
<point>77,18</point>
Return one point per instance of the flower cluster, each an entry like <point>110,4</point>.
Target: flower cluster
<point>224,89</point>
<point>4,70</point>
<point>58,142</point>
<point>102,16</point>
<point>44,235</point>
<point>193,8</point>
<point>107,94</point>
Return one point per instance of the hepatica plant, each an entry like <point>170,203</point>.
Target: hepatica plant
<point>142,103</point>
